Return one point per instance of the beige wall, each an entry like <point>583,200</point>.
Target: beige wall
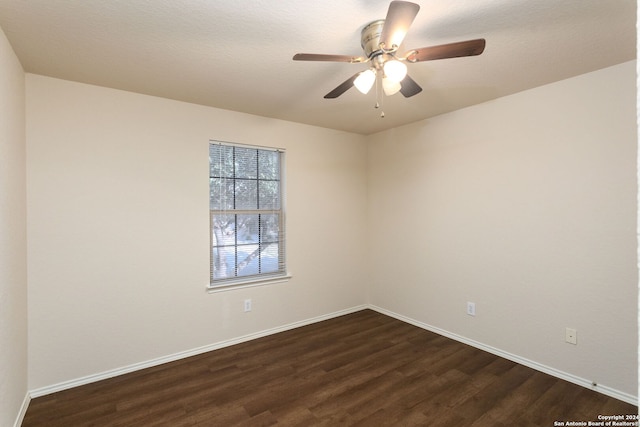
<point>525,205</point>
<point>13,264</point>
<point>119,233</point>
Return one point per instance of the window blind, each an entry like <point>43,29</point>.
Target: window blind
<point>246,213</point>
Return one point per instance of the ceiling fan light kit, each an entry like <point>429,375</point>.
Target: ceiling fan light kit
<point>380,41</point>
<point>390,86</point>
<point>365,80</point>
<point>394,70</point>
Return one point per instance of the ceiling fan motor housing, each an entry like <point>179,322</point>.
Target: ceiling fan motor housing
<point>370,38</point>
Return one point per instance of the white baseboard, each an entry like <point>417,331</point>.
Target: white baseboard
<point>23,410</point>
<point>183,354</point>
<point>617,394</point>
<point>625,397</point>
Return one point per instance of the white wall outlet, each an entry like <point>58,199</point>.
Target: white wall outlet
<point>471,308</point>
<point>247,305</point>
<point>571,336</point>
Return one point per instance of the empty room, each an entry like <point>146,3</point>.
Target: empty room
<point>318,213</point>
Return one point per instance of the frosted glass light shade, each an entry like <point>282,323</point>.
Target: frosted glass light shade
<point>365,81</point>
<point>395,70</point>
<point>390,87</point>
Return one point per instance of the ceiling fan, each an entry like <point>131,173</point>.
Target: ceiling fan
<point>380,41</point>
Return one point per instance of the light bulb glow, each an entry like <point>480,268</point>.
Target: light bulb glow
<point>395,70</point>
<point>397,37</point>
<point>365,81</point>
<point>390,87</point>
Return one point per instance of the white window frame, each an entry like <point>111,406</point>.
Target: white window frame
<point>260,279</point>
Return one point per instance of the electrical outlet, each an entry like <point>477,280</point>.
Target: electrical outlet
<point>247,305</point>
<point>571,336</point>
<point>471,308</point>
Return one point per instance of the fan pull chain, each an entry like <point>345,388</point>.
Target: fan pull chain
<point>379,98</point>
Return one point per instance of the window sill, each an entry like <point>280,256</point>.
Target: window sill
<point>248,284</point>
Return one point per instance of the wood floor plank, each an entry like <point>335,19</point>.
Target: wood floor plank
<point>521,397</point>
<point>362,369</point>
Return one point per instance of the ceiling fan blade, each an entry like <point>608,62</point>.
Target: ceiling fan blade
<point>451,50</point>
<point>342,88</point>
<point>409,87</point>
<point>399,18</point>
<point>331,58</point>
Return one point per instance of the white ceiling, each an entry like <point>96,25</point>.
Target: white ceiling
<point>237,55</point>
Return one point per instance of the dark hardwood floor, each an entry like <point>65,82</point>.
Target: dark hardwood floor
<point>362,369</point>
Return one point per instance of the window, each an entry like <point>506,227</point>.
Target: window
<point>246,215</point>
